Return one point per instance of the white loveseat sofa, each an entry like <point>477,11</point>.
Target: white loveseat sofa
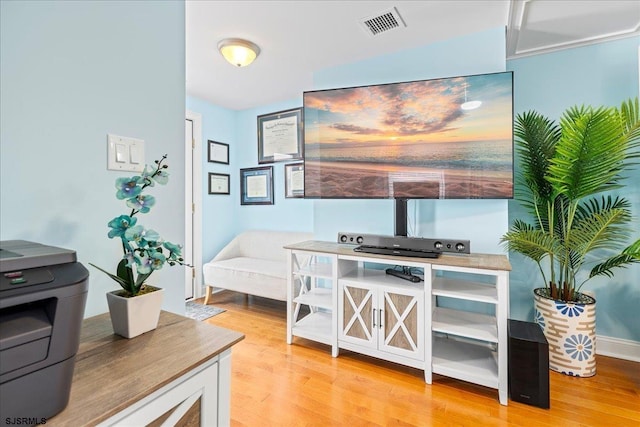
<point>254,263</point>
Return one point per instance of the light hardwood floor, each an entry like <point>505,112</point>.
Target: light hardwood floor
<point>275,384</point>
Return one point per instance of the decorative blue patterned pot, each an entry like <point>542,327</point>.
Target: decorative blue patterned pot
<point>570,329</point>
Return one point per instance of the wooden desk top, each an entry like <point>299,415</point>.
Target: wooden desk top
<point>112,373</point>
<point>486,261</point>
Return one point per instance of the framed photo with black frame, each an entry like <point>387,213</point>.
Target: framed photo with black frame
<point>294,180</point>
<point>256,186</point>
<point>218,183</point>
<point>280,136</point>
<point>218,152</point>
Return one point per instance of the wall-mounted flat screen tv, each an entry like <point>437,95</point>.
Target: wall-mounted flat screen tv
<point>448,138</point>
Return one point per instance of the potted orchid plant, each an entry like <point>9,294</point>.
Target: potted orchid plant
<point>143,252</point>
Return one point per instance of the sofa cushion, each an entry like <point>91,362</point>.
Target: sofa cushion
<point>246,267</point>
<point>254,262</point>
<point>252,276</point>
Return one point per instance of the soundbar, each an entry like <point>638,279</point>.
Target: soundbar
<point>407,243</point>
<point>397,252</point>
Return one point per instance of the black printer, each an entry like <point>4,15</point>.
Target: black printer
<point>43,290</point>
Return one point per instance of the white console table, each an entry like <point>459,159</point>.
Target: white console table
<point>453,323</point>
<point>178,374</point>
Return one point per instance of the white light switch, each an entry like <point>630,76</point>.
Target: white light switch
<point>121,153</point>
<point>124,153</point>
<point>136,158</point>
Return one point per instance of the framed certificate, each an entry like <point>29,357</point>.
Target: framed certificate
<point>294,180</point>
<point>218,183</point>
<point>256,186</point>
<point>280,136</point>
<point>218,152</point>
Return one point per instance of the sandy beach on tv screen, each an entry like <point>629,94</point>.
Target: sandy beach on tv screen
<point>341,180</point>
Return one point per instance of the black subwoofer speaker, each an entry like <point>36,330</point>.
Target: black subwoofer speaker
<point>528,364</point>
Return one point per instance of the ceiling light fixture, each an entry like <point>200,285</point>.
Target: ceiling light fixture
<point>469,105</point>
<point>238,52</point>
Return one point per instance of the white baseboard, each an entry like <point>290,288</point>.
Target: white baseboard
<point>618,348</point>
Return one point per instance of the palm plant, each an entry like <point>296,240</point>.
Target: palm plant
<point>566,171</point>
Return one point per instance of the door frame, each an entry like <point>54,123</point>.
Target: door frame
<point>193,201</point>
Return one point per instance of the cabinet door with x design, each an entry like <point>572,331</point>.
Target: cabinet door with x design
<point>378,313</point>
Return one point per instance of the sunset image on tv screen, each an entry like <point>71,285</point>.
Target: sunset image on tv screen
<point>444,139</point>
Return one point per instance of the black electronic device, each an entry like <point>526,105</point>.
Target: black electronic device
<point>43,290</point>
<point>420,244</point>
<point>528,364</point>
<point>406,275</point>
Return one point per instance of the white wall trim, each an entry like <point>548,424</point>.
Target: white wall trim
<point>196,118</point>
<point>618,348</point>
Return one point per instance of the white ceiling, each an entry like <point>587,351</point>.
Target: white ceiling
<point>298,38</point>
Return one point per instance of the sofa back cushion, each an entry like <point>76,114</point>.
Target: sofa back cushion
<point>266,244</point>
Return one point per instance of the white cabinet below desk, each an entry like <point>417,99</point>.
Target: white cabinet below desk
<point>381,317</point>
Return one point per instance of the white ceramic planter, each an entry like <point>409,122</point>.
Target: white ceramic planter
<point>131,317</point>
<point>570,329</point>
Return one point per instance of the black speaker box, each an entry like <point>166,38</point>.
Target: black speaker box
<point>528,364</point>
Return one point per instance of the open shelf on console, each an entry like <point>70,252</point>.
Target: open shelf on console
<point>316,297</point>
<point>314,326</point>
<point>378,278</point>
<point>466,290</point>
<point>465,361</point>
<point>465,324</point>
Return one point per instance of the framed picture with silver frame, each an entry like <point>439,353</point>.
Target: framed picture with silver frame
<point>280,136</point>
<point>294,180</point>
<point>256,186</point>
<point>218,152</point>
<point>218,183</point>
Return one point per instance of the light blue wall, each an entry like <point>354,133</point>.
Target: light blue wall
<point>223,216</point>
<point>71,73</point>
<point>219,222</point>
<point>286,214</point>
<point>600,74</point>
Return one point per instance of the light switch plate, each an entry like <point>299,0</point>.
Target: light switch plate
<point>125,153</point>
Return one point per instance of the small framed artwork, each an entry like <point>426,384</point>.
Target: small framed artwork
<point>218,183</point>
<point>218,152</point>
<point>256,186</point>
<point>280,136</point>
<point>294,180</point>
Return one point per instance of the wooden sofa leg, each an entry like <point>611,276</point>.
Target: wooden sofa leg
<point>207,295</point>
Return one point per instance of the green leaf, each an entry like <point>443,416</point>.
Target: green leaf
<point>536,137</point>
<point>606,268</point>
<point>530,242</point>
<point>590,154</point>
<point>140,281</point>
<point>126,274</point>
<point>119,280</point>
<point>633,250</point>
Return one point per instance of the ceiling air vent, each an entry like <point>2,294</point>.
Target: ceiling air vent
<point>382,22</point>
